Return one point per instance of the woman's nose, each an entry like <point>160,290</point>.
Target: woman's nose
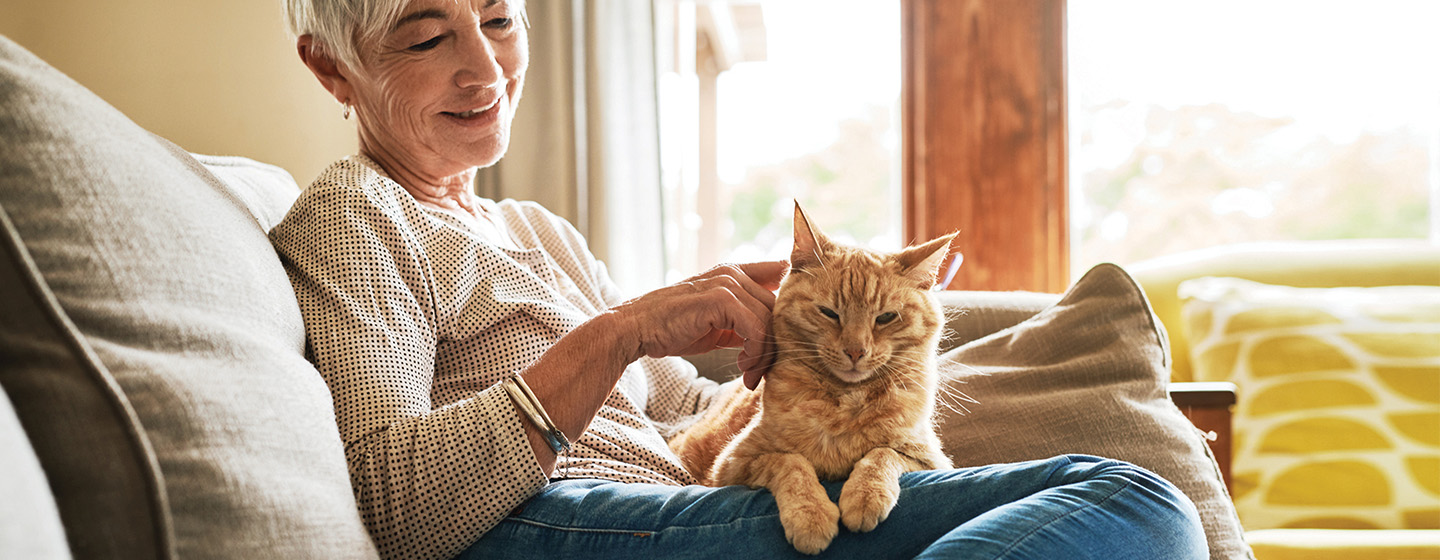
<point>479,66</point>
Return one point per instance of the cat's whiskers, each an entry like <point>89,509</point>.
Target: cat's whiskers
<point>961,365</point>
<point>911,355</point>
<point>951,397</point>
<point>787,361</point>
<point>946,394</point>
<point>893,382</point>
<point>794,344</point>
<point>949,402</point>
<point>908,361</point>
<point>799,342</point>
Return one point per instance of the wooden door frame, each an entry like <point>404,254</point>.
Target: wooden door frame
<point>984,137</point>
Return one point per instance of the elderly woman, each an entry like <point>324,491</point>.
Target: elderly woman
<point>496,396</point>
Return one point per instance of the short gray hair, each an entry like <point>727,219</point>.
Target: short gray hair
<point>338,26</point>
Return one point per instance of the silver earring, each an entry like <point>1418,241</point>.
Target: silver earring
<point>346,114</point>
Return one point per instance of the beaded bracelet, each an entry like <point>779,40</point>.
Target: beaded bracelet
<point>530,406</point>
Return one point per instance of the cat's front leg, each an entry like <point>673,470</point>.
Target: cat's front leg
<point>873,489</point>
<point>810,519</point>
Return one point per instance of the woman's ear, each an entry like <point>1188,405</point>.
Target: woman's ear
<point>330,72</point>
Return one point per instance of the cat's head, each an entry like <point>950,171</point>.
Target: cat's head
<point>858,314</point>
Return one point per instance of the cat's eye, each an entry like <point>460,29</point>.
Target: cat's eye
<point>826,311</point>
<point>886,318</point>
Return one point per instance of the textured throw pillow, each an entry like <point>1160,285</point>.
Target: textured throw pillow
<point>267,191</point>
<point>1339,418</point>
<point>1087,375</point>
<point>152,344</point>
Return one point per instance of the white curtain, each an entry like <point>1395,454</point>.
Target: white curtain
<point>585,142</point>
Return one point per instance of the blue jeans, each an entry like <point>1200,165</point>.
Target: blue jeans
<point>1072,507</point>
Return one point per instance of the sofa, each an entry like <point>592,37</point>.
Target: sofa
<point>1333,348</point>
<point>157,402</point>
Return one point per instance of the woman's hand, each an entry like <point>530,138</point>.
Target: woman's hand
<point>726,307</point>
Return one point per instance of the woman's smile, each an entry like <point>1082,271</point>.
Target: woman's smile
<point>480,117</point>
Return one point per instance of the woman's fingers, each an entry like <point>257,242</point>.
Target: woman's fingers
<point>744,316</point>
<point>767,274</point>
<point>693,318</point>
<point>727,306</point>
<point>753,374</point>
<point>757,280</point>
<point>760,280</point>
<point>728,290</point>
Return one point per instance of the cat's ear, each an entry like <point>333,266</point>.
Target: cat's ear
<point>809,242</point>
<point>921,263</point>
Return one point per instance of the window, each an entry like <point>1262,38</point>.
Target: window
<point>1200,124</point>
<point>763,103</point>
<point>1047,131</point>
<point>988,152</point>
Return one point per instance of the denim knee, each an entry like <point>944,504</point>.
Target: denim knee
<point>1087,467</point>
<point>1150,502</point>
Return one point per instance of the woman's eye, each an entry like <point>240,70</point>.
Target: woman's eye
<point>826,311</point>
<point>499,23</point>
<point>886,317</point>
<point>427,45</point>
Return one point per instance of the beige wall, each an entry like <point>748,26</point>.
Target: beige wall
<point>213,76</point>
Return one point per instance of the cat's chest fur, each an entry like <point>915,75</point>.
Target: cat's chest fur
<point>835,427</point>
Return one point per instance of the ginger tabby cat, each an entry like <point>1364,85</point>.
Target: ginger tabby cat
<point>852,392</point>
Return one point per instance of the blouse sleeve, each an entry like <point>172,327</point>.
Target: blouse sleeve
<point>428,482</point>
<point>676,390</point>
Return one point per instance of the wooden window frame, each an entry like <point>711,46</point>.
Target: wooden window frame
<point>984,137</point>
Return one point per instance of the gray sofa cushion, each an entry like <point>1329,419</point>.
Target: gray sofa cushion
<point>267,191</point>
<point>29,523</point>
<point>972,315</point>
<point>174,315</point>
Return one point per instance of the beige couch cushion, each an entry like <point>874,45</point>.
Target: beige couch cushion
<point>1087,375</point>
<point>267,191</point>
<point>163,357</point>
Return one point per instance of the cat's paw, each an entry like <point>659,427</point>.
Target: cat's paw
<point>812,526</point>
<point>864,503</point>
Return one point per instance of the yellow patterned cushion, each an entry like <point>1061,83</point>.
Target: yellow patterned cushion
<point>1338,425</point>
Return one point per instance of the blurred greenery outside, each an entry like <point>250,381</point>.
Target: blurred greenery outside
<point>847,189</point>
<point>1207,175</point>
<point>1202,176</point>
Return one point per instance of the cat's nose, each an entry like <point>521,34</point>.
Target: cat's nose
<point>855,354</point>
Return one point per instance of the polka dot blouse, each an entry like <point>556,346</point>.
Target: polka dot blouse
<point>414,315</point>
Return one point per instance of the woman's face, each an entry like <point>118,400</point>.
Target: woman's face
<point>441,86</point>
